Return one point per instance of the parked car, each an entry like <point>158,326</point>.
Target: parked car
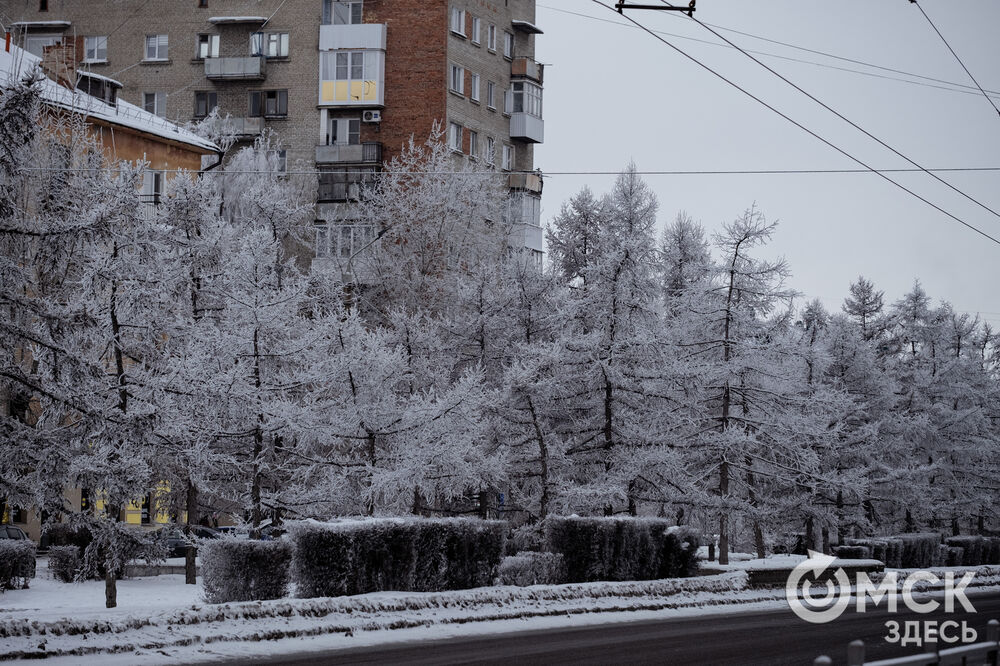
<point>12,532</point>
<point>177,542</point>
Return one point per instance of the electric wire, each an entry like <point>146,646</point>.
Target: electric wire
<point>956,55</point>
<point>804,128</point>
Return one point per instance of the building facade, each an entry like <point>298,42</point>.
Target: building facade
<point>344,84</point>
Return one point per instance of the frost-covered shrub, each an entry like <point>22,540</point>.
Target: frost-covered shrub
<point>237,570</point>
<point>532,568</point>
<point>853,552</point>
<point>975,549</point>
<point>527,537</point>
<point>355,557</point>
<point>17,563</point>
<point>621,548</point>
<point>64,562</point>
<point>919,550</point>
<point>62,534</point>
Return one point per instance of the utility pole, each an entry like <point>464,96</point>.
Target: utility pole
<point>689,10</point>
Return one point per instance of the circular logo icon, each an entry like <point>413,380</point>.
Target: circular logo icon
<point>804,602</point>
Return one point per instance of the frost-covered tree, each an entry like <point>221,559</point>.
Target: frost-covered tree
<point>864,306</point>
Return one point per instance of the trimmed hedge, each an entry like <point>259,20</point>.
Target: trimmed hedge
<point>418,555</point>
<point>853,552</point>
<point>65,562</point>
<point>17,564</point>
<point>236,570</point>
<point>532,568</point>
<point>621,548</point>
<point>904,551</point>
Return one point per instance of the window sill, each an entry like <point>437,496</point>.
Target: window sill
<point>491,50</point>
<point>457,93</point>
<point>455,33</point>
<point>491,108</point>
<point>475,101</point>
<point>476,44</point>
<point>155,61</point>
<point>277,58</point>
<point>103,61</point>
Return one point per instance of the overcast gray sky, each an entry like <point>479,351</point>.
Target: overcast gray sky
<point>614,94</point>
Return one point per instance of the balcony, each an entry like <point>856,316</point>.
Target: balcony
<point>345,184</point>
<point>528,69</point>
<point>530,182</point>
<point>369,152</point>
<point>236,69</point>
<point>526,127</point>
<point>360,36</point>
<point>247,127</point>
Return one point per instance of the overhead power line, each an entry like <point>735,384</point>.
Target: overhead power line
<point>846,119</point>
<point>956,55</point>
<point>949,86</point>
<point>806,129</point>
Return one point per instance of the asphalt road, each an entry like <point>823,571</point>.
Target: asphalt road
<point>775,637</point>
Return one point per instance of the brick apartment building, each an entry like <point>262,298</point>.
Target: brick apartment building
<point>343,83</point>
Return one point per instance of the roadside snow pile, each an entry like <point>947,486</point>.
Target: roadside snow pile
<point>26,636</point>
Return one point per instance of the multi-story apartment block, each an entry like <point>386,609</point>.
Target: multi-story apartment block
<point>344,84</point>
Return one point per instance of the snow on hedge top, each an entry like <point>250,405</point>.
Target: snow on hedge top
<point>17,63</point>
<point>345,524</point>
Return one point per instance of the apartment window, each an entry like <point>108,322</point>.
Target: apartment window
<point>491,95</point>
<point>95,49</point>
<point>341,12</point>
<point>491,38</point>
<point>156,47</point>
<point>458,21</point>
<point>343,131</point>
<point>474,85</point>
<point>279,159</point>
<point>208,46</point>
<point>152,191</point>
<point>343,240</point>
<point>155,102</point>
<point>458,79</point>
<point>476,30</point>
<point>203,3</point>
<point>269,44</point>
<point>508,102</point>
<point>204,102</point>
<point>350,76</point>
<point>35,44</point>
<point>491,150</point>
<point>98,87</point>
<point>473,144</point>
<point>455,137</point>
<point>43,5</point>
<point>508,44</point>
<point>527,98</point>
<point>268,103</point>
<point>508,157</point>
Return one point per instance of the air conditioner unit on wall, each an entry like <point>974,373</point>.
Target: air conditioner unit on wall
<point>372,116</point>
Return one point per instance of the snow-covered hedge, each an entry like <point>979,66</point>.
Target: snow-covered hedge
<point>421,555</point>
<point>17,563</point>
<point>906,551</point>
<point>621,548</point>
<point>531,568</point>
<point>64,562</point>
<point>853,552</point>
<point>976,549</point>
<point>236,570</point>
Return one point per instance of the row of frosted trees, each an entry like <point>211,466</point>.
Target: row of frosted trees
<point>200,351</point>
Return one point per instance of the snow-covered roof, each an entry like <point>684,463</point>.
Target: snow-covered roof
<point>99,77</point>
<point>237,19</point>
<point>41,24</point>
<point>17,62</point>
<point>526,26</point>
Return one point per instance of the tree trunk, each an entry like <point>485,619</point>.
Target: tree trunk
<point>723,515</point>
<point>840,517</point>
<point>258,447</point>
<point>110,589</point>
<point>190,569</point>
<point>811,534</point>
<point>543,460</point>
<point>826,538</point>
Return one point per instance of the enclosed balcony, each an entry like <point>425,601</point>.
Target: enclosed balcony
<point>369,152</point>
<point>526,127</point>
<point>236,69</point>
<point>247,127</point>
<point>360,36</point>
<point>527,68</point>
<point>529,182</point>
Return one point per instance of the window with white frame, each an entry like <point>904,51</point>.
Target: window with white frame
<point>508,157</point>
<point>508,101</point>
<point>208,46</point>
<point>343,131</point>
<point>491,150</point>
<point>458,79</point>
<point>455,137</point>
<point>527,98</point>
<point>350,76</point>
<point>491,38</point>
<point>156,47</point>
<point>95,49</point>
<point>343,240</point>
<point>508,44</point>
<point>491,95</point>
<point>458,21</point>
<point>341,12</point>
<point>477,28</point>
<point>473,144</point>
<point>155,102</point>
<point>269,44</point>
<point>35,44</point>
<point>204,102</point>
<point>474,87</point>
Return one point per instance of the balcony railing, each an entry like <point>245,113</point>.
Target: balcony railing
<point>148,203</point>
<point>527,68</point>
<point>247,127</point>
<point>369,152</point>
<point>526,127</point>
<point>532,182</point>
<point>250,67</point>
